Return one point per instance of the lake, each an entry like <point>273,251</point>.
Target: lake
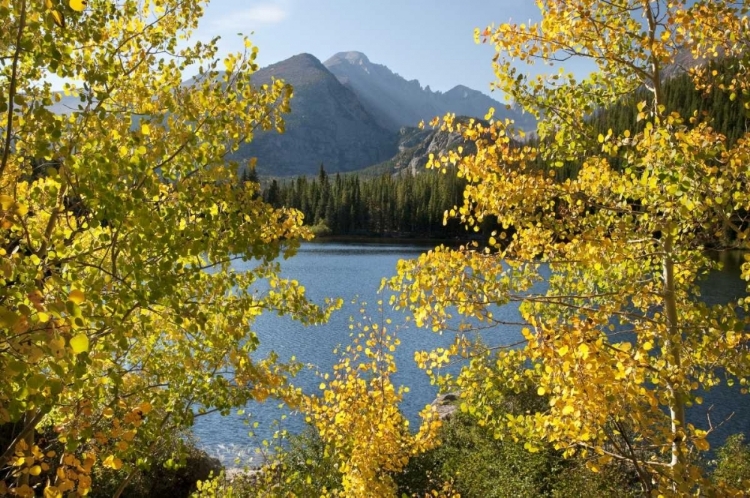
<point>354,272</point>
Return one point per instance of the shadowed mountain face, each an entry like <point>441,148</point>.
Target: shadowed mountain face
<point>328,124</point>
<point>396,102</point>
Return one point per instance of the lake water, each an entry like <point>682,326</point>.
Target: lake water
<point>354,272</point>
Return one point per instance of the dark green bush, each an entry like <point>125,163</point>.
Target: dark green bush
<point>167,476</point>
<point>301,468</point>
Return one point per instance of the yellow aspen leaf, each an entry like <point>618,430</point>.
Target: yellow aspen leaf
<point>77,296</point>
<point>58,18</point>
<point>35,470</point>
<point>77,5</point>
<point>702,444</point>
<point>145,129</point>
<point>583,350</point>
<point>7,318</point>
<point>24,491</point>
<point>112,462</point>
<point>79,343</point>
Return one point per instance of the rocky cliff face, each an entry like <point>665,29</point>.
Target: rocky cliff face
<point>328,124</point>
<point>396,102</point>
<point>414,148</point>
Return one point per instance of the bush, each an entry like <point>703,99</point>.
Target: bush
<point>733,463</point>
<point>478,465</point>
<point>167,476</point>
<point>300,468</point>
<point>321,229</point>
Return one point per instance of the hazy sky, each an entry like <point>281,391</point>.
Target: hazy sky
<point>432,41</point>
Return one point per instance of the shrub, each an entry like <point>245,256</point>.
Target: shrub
<point>733,463</point>
<point>478,465</point>
<point>169,475</point>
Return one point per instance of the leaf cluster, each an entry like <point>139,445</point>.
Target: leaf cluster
<point>131,266</point>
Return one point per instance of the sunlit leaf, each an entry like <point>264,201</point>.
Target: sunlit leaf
<point>77,5</point>
<point>79,343</point>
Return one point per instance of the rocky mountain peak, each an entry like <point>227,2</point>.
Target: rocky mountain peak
<point>304,58</point>
<point>460,90</point>
<point>352,57</point>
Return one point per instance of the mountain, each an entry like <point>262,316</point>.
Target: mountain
<point>396,102</point>
<point>328,124</point>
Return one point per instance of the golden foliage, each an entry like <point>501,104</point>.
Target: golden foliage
<point>358,418</point>
<point>618,339</point>
<point>120,310</point>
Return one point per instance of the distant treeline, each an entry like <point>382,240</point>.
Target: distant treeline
<point>413,204</point>
<point>390,205</point>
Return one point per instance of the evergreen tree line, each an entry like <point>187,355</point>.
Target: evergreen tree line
<point>389,205</point>
<point>723,111</point>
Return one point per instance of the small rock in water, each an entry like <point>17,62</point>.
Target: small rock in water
<point>445,405</point>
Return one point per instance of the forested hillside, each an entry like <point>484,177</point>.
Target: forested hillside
<point>720,109</point>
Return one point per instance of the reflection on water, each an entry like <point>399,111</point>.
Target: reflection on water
<point>354,272</point>
<point>343,249</point>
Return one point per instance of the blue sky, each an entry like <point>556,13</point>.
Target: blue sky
<point>431,41</point>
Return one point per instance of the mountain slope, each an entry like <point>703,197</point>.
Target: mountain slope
<point>414,148</point>
<point>328,125</point>
<point>396,102</point>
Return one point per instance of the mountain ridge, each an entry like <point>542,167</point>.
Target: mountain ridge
<point>397,102</point>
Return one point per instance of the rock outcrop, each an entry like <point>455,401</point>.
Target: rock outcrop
<point>446,406</point>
